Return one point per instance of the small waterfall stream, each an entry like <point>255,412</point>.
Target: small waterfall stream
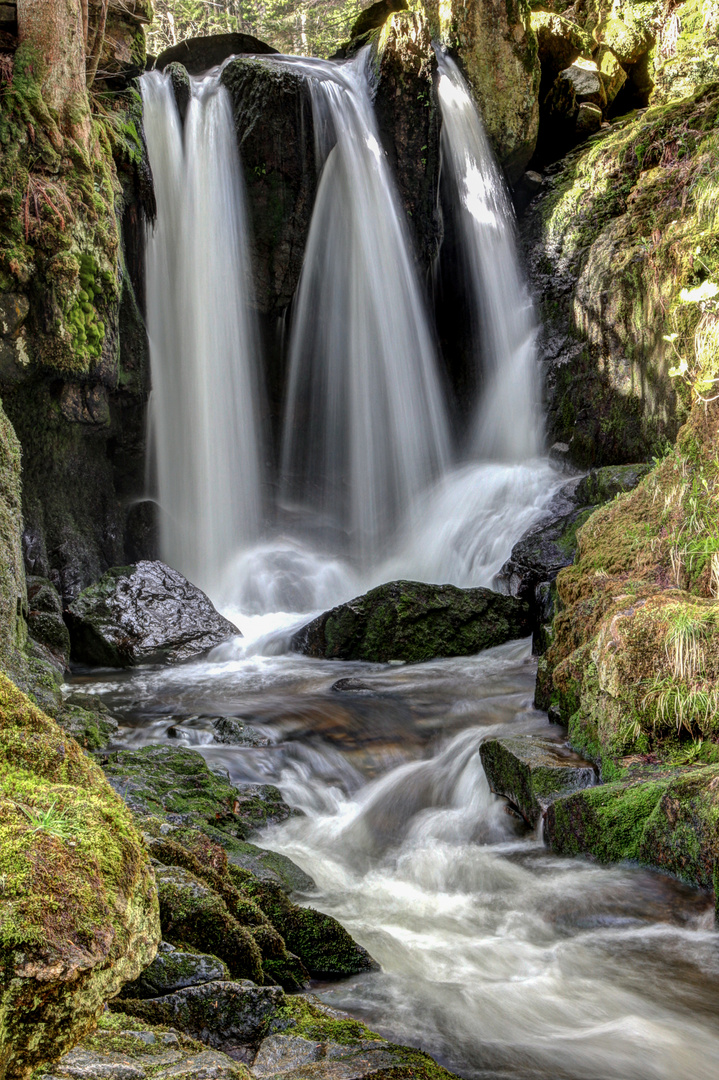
<point>507,422</point>
<point>365,429</point>
<point>205,403</point>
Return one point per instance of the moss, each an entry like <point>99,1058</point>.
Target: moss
<point>607,822</point>
<point>77,887</point>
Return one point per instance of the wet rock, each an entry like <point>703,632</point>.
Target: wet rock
<point>235,732</point>
<point>142,614</point>
<point>668,821</point>
<point>551,544</point>
<point>408,120</point>
<point>174,969</point>
<point>498,50</point>
<point>201,53</point>
<point>228,1016</point>
<point>323,944</point>
<point>530,772</point>
<point>351,686</point>
<point>275,133</point>
<point>79,890</point>
<point>180,85</point>
<point>174,787</point>
<point>125,1048</point>
<point>85,717</point>
<point>45,622</point>
<point>411,621</point>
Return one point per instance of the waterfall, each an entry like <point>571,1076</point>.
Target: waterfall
<point>204,350</point>
<point>507,422</point>
<point>365,427</point>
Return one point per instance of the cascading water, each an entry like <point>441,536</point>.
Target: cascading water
<point>203,339</point>
<point>365,429</point>
<point>507,423</point>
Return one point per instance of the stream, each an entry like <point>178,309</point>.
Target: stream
<point>498,958</point>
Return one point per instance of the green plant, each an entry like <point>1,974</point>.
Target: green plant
<point>50,820</point>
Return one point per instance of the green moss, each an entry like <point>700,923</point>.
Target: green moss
<point>607,822</point>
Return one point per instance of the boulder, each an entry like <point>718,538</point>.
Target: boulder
<point>174,788</point>
<point>669,821</point>
<point>126,1048</point>
<point>79,912</point>
<point>228,1016</point>
<point>201,53</point>
<point>144,614</point>
<point>531,772</point>
<point>235,732</point>
<point>588,120</point>
<point>85,717</point>
<point>560,42</point>
<point>412,621</point>
<point>629,37</point>
<point>612,73</point>
<point>175,969</point>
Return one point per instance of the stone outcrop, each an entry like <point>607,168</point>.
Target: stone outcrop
<point>144,614</point>
<point>611,243</point>
<point>531,772</point>
<point>79,914</point>
<point>412,621</point>
<point>202,53</point>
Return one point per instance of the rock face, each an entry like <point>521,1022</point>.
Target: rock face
<point>13,599</point>
<point>411,621</point>
<point>144,614</point>
<point>531,772</point>
<point>80,913</point>
<point>498,50</point>
<point>201,53</point>
<point>609,302</point>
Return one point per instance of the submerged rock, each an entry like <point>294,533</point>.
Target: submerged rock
<point>147,613</point>
<point>79,910</point>
<point>531,772</point>
<point>412,621</point>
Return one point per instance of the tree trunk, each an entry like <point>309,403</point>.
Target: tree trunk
<point>54,28</point>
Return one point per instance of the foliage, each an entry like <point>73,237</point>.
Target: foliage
<point>308,28</point>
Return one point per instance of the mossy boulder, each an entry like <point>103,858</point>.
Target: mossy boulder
<point>174,969</point>
<point>87,720</point>
<point>670,822</point>
<point>560,41</point>
<point>79,914</point>
<point>127,1047</point>
<point>687,56</point>
<point>143,614</point>
<point>531,772</point>
<point>412,621</point>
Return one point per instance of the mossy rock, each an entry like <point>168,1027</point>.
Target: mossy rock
<point>13,598</point>
<point>412,621</point>
<point>669,822</point>
<point>80,914</point>
<point>173,969</point>
<point>85,717</point>
<point>323,945</point>
<point>128,1047</point>
<point>531,772</point>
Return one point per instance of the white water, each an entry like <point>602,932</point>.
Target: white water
<point>507,423</point>
<point>365,428</point>
<point>203,341</point>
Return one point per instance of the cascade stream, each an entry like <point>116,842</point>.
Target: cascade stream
<point>502,960</point>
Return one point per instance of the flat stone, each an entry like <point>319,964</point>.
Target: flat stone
<point>531,772</point>
<point>207,1065</point>
<point>86,1065</point>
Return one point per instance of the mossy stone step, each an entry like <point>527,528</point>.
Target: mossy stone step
<point>531,771</point>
